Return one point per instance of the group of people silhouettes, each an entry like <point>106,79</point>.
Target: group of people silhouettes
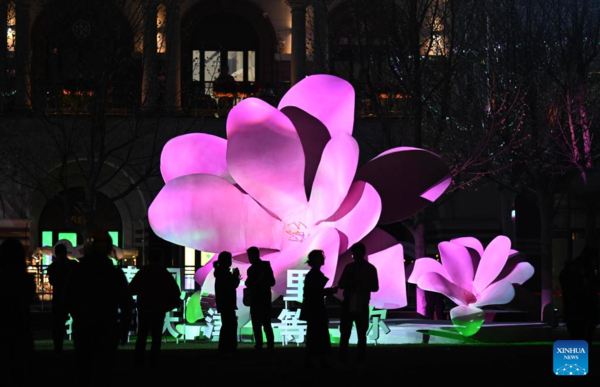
<point>96,294</point>
<point>358,281</point>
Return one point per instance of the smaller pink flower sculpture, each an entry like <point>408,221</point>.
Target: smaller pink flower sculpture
<point>472,277</point>
<point>286,180</point>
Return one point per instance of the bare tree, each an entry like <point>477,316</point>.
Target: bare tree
<point>549,48</point>
<point>418,66</point>
<point>91,123</point>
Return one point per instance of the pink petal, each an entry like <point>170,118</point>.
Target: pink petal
<point>194,153</point>
<point>434,282</point>
<point>390,272</point>
<point>437,190</point>
<point>492,262</point>
<point>329,99</point>
<point>265,156</point>
<point>474,247</point>
<point>426,265</point>
<point>470,242</point>
<point>209,214</point>
<point>457,262</point>
<point>520,273</point>
<point>405,173</point>
<point>334,176</point>
<point>294,256</point>
<point>314,136</point>
<point>377,240</point>
<point>496,294</point>
<point>357,215</point>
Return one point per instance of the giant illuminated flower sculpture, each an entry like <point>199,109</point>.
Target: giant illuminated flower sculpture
<point>286,181</point>
<point>472,277</point>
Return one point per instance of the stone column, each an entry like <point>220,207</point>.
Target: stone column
<point>173,63</point>
<point>298,39</point>
<point>3,43</point>
<point>22,81</point>
<point>321,36</point>
<point>149,81</point>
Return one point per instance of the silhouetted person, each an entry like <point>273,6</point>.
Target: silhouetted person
<point>100,304</point>
<point>358,280</point>
<point>260,280</point>
<point>226,283</point>
<point>225,88</point>
<point>580,284</point>
<point>17,291</point>
<point>60,272</point>
<point>314,312</point>
<point>157,293</point>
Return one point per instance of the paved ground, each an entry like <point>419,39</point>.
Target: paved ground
<point>198,364</point>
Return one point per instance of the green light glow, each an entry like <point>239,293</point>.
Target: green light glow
<point>467,320</point>
<point>115,238</point>
<point>46,241</point>
<point>193,311</point>
<point>70,236</point>
<point>46,238</point>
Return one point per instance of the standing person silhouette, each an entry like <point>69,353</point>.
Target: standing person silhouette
<point>226,283</point>
<point>318,344</point>
<point>100,303</point>
<point>157,294</point>
<point>59,273</point>
<point>17,291</point>
<point>580,283</point>
<point>358,280</point>
<point>259,282</point>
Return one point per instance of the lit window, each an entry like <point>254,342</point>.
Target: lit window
<point>161,23</point>
<point>11,23</point>
<point>207,66</point>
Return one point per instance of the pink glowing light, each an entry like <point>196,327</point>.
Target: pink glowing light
<point>286,181</point>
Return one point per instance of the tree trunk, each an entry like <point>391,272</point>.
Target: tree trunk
<point>591,238</point>
<point>418,233</point>
<point>545,205</point>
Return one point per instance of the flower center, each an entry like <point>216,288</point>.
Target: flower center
<point>296,231</point>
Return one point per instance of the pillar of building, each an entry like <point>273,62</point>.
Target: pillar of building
<point>3,44</point>
<point>173,57</point>
<point>22,80</point>
<point>150,79</point>
<point>298,39</point>
<point>321,36</point>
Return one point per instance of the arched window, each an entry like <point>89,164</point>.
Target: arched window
<point>224,44</point>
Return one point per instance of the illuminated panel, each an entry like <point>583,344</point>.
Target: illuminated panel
<point>190,267</point>
<point>46,238</point>
<point>46,241</point>
<point>115,238</point>
<point>70,236</point>
<point>205,257</point>
<point>196,65</point>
